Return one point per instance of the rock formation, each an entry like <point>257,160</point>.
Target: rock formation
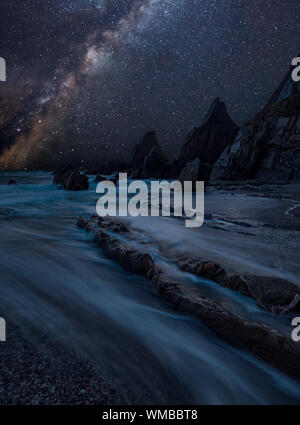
<point>195,171</point>
<point>268,147</point>
<point>71,179</point>
<point>207,142</point>
<point>257,338</point>
<point>149,160</point>
<point>278,296</point>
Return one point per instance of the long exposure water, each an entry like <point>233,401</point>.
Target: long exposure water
<point>55,280</point>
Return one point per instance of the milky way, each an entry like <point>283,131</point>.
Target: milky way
<point>86,78</point>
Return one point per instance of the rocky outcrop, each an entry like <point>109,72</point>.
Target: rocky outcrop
<point>191,171</point>
<point>143,148</point>
<point>149,160</point>
<point>202,149</point>
<point>71,179</point>
<point>60,173</point>
<point>257,338</point>
<point>130,259</point>
<point>195,171</point>
<point>113,225</point>
<point>207,142</point>
<point>268,147</point>
<point>276,295</point>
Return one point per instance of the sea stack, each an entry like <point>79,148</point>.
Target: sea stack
<point>148,160</point>
<point>268,147</point>
<point>207,142</point>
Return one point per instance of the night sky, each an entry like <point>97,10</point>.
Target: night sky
<point>87,78</point>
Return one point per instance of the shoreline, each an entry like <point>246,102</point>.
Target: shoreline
<point>71,276</point>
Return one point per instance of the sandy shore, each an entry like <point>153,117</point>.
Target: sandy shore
<point>48,376</point>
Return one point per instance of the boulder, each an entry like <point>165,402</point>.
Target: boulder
<point>276,295</point>
<point>12,181</point>
<point>267,148</point>
<point>61,173</point>
<point>71,179</point>
<point>76,181</point>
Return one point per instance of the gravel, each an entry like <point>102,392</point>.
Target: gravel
<point>48,376</point>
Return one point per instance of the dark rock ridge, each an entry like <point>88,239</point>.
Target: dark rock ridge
<point>143,148</point>
<point>276,295</point>
<point>207,142</point>
<point>257,338</point>
<point>268,147</point>
<point>71,179</point>
<point>149,160</point>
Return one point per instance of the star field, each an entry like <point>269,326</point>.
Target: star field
<point>87,78</point>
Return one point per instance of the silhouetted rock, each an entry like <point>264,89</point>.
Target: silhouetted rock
<point>153,166</point>
<point>142,149</point>
<point>76,181</point>
<point>71,179</point>
<point>207,142</point>
<point>61,173</point>
<point>267,148</point>
<point>149,160</point>
<point>190,171</point>
<point>12,181</point>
